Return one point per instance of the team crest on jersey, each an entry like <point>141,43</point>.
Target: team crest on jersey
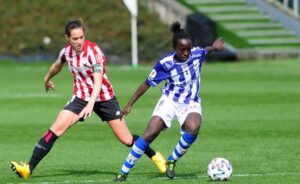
<point>185,67</point>
<point>152,74</point>
<point>86,62</point>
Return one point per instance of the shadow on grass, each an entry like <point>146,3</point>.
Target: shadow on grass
<point>178,176</point>
<point>76,172</point>
<point>133,176</point>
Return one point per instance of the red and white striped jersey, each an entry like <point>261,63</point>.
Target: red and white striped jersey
<point>81,66</point>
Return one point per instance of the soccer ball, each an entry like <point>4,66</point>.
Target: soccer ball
<point>219,169</point>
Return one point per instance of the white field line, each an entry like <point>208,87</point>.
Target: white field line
<point>29,95</point>
<point>159,178</point>
<point>31,69</point>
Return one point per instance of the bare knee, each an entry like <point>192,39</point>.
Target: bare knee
<point>192,124</point>
<point>192,128</point>
<point>150,135</point>
<point>63,122</point>
<point>154,127</point>
<point>58,130</point>
<point>121,131</point>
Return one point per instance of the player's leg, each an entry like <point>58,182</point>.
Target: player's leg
<point>121,131</point>
<point>123,134</point>
<point>190,129</point>
<point>64,120</point>
<point>155,125</point>
<point>110,111</point>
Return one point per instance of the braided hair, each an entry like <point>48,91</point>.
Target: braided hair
<point>178,33</point>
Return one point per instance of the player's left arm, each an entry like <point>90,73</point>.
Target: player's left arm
<point>97,75</point>
<point>97,61</point>
<point>216,46</point>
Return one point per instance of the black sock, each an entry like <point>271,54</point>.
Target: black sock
<point>149,152</point>
<point>42,148</point>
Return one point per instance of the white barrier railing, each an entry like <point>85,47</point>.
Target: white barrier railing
<point>290,6</point>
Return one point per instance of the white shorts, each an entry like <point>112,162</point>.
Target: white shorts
<point>167,109</point>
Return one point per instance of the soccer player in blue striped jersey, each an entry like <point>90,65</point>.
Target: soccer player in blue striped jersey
<point>180,98</point>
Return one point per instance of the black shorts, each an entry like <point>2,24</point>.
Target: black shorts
<point>106,110</point>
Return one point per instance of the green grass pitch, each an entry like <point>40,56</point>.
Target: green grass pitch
<point>250,116</point>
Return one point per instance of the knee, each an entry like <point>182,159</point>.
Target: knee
<point>192,128</point>
<point>149,135</point>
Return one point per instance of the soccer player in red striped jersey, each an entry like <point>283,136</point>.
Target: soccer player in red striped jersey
<point>92,92</point>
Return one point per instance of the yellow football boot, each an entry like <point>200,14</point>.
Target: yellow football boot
<point>160,162</point>
<point>21,169</point>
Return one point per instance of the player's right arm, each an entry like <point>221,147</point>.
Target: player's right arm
<point>55,68</point>
<point>155,77</point>
<point>138,93</point>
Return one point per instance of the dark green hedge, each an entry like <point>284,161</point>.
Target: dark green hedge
<point>24,24</point>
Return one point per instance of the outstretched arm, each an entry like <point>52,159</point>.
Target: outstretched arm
<point>216,46</point>
<point>54,69</point>
<point>138,93</point>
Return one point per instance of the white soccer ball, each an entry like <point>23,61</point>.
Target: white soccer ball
<point>219,169</point>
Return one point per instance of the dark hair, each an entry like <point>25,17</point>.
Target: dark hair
<point>73,24</point>
<point>178,33</point>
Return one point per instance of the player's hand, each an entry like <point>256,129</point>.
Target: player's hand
<point>86,111</point>
<point>218,44</point>
<point>49,85</point>
<point>125,111</point>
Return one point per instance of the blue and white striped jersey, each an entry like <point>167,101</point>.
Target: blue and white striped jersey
<point>182,79</point>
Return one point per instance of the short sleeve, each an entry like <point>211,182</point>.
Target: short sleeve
<point>156,75</point>
<point>61,57</point>
<point>97,59</point>
<point>199,52</point>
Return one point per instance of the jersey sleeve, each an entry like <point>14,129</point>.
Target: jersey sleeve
<point>156,75</point>
<point>61,57</point>
<point>97,59</point>
<point>199,52</point>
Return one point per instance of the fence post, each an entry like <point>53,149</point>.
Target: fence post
<point>296,7</point>
<point>286,4</point>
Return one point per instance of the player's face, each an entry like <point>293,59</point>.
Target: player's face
<point>183,49</point>
<point>76,39</point>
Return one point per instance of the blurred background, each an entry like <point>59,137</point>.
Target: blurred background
<point>34,30</point>
<point>250,92</point>
<point>252,29</point>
